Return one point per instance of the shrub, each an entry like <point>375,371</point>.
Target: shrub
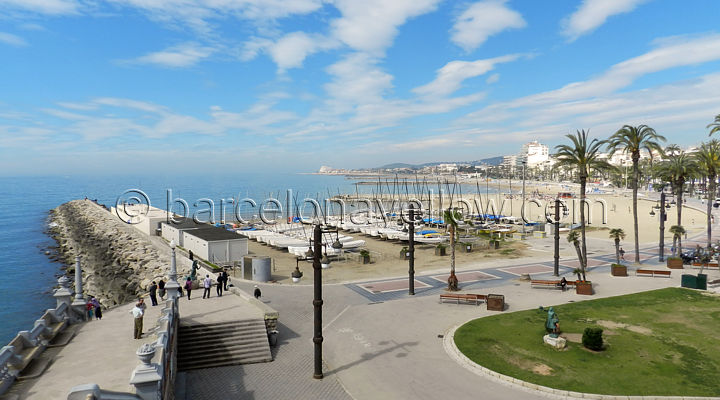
<point>592,338</point>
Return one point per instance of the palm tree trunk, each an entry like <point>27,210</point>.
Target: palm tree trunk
<point>617,250</point>
<point>579,253</point>
<point>710,191</point>
<point>636,172</point>
<point>452,280</point>
<point>679,216</point>
<point>583,256</point>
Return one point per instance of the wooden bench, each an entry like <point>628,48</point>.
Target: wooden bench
<point>652,272</point>
<point>706,266</point>
<point>464,297</point>
<point>553,284</point>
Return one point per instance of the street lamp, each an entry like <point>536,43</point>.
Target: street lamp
<point>522,207</point>
<point>172,286</point>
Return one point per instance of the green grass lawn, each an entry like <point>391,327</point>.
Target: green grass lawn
<point>663,342</point>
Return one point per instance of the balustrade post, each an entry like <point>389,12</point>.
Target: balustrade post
<point>146,377</point>
<point>78,303</point>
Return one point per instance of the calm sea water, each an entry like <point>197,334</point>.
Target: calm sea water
<point>28,275</point>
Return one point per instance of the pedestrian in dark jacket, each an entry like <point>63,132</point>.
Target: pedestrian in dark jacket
<point>225,279</point>
<point>153,293</point>
<point>257,293</point>
<point>219,284</point>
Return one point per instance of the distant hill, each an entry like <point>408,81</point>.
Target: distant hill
<point>484,161</point>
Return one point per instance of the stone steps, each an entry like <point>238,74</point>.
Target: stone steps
<point>222,344</point>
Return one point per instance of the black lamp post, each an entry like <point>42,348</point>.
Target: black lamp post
<point>317,301</point>
<point>411,250</point>
<point>556,256</point>
<point>663,217</point>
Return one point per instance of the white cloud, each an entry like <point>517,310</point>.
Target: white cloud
<point>183,55</point>
<point>678,52</point>
<point>492,78</point>
<point>357,80</point>
<point>13,40</point>
<point>371,26</point>
<point>199,14</point>
<point>593,13</point>
<point>50,7</point>
<point>450,77</point>
<point>291,50</point>
<point>482,20</point>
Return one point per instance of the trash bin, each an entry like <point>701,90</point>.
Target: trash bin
<point>495,302</point>
<point>272,338</point>
<point>688,281</point>
<point>701,282</point>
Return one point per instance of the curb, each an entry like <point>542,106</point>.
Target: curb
<point>455,353</point>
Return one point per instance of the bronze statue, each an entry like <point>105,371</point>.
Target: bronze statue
<point>194,270</point>
<point>552,325</point>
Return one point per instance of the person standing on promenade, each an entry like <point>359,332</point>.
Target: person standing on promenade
<point>219,289</point>
<point>89,308</point>
<point>153,293</point>
<point>207,283</point>
<point>190,255</point>
<point>97,308</point>
<point>161,289</point>
<point>225,279</point>
<point>188,287</point>
<point>138,312</point>
<point>257,293</point>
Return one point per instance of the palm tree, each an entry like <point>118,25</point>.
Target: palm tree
<point>574,238</point>
<point>633,140</point>
<point>617,234</point>
<point>715,125</point>
<point>451,218</point>
<point>708,159</point>
<point>677,231</point>
<point>583,157</point>
<point>677,169</point>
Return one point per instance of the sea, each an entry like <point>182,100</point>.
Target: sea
<point>28,276</point>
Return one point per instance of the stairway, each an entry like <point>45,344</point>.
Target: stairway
<point>222,344</point>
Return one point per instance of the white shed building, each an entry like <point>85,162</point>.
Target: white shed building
<point>173,231</point>
<point>216,245</point>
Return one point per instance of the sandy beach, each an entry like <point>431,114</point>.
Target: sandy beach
<point>608,211</point>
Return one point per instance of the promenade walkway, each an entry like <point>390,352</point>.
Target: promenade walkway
<point>380,343</point>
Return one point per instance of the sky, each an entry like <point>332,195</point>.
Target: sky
<point>100,86</point>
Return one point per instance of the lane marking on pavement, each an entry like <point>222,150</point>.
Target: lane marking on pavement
<point>336,317</point>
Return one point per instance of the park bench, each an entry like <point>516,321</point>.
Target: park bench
<point>652,272</point>
<point>553,284</point>
<point>706,266</point>
<point>465,298</point>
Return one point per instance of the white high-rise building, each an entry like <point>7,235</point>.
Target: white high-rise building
<point>534,153</point>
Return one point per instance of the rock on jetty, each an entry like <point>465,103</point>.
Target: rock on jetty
<point>118,261</point>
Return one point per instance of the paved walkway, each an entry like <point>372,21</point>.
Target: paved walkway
<point>380,343</point>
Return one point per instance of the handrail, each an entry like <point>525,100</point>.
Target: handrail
<point>12,359</point>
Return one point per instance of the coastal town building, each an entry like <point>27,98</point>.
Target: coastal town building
<point>216,245</point>
<point>173,231</point>
<point>534,154</point>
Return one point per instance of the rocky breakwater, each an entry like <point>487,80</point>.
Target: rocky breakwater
<point>118,262</point>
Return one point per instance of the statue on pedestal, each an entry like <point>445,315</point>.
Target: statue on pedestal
<point>194,270</point>
<point>552,325</point>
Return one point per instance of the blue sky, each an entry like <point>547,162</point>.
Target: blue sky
<point>95,86</point>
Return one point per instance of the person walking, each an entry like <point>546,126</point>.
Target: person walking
<point>257,293</point>
<point>207,284</point>
<point>188,287</point>
<point>219,289</point>
<point>161,289</point>
<point>225,279</point>
<point>622,254</point>
<point>97,308</point>
<point>153,293</point>
<point>138,312</point>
